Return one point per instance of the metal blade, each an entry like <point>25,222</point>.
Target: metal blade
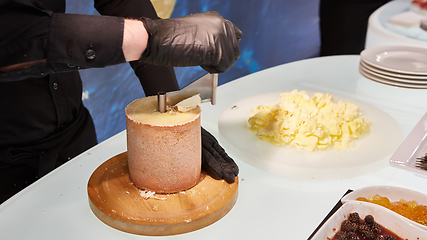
<point>205,86</point>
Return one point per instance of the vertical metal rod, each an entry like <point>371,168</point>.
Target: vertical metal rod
<point>161,102</point>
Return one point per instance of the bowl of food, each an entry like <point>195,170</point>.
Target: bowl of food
<point>410,204</point>
<point>367,221</point>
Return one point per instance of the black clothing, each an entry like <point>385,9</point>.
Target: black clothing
<point>343,25</point>
<point>44,125</point>
<point>67,41</point>
<point>43,122</point>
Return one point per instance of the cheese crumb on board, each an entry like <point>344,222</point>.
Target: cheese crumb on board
<point>149,194</point>
<point>309,123</point>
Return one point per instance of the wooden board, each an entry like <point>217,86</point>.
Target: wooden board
<point>118,203</point>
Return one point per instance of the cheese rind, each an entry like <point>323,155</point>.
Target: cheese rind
<point>164,149</point>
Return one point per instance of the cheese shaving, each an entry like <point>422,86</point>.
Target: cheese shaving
<point>150,194</point>
<point>189,103</point>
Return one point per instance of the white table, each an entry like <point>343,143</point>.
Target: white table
<point>268,207</point>
<point>379,35</point>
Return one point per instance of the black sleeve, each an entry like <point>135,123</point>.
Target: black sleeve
<point>68,42</point>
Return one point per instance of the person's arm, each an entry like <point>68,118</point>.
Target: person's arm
<point>41,42</point>
<point>153,78</point>
<point>134,43</point>
<point>70,42</point>
<point>204,39</point>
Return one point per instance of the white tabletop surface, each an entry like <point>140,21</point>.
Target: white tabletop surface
<point>269,206</point>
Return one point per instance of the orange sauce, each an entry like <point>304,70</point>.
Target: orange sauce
<point>411,209</point>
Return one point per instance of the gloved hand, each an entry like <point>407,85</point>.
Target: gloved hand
<point>215,161</point>
<point>205,39</point>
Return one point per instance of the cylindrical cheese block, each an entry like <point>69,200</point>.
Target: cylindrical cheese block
<point>164,149</point>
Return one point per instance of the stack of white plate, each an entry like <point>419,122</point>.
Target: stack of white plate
<point>398,66</point>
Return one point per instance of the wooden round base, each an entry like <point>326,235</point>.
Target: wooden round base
<point>118,203</point>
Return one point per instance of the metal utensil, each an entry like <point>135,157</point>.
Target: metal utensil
<point>421,162</point>
<point>205,86</point>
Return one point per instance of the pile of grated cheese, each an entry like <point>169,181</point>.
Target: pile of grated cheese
<point>309,123</point>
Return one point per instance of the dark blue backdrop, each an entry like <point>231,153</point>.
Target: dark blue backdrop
<point>274,32</point>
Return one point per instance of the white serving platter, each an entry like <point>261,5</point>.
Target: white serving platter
<point>369,153</point>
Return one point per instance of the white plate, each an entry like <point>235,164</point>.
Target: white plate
<point>390,82</point>
<point>394,194</point>
<point>394,79</point>
<point>416,78</point>
<point>369,153</point>
<point>414,146</point>
<point>386,218</point>
<point>399,59</point>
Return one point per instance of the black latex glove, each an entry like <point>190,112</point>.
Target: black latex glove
<point>203,39</point>
<point>215,161</point>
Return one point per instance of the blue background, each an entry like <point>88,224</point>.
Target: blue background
<point>274,32</point>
